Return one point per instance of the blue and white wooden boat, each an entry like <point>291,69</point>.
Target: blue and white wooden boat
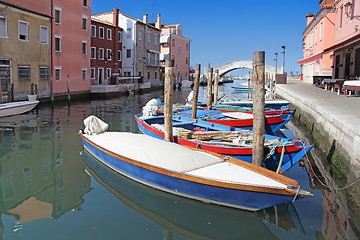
<point>188,217</point>
<point>294,150</point>
<point>274,104</point>
<point>191,173</point>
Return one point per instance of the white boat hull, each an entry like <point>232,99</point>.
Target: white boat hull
<point>15,108</point>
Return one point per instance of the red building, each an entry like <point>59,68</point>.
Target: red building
<point>105,52</point>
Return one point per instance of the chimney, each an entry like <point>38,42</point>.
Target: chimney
<point>145,18</point>
<point>158,22</point>
<point>309,18</point>
<point>116,17</point>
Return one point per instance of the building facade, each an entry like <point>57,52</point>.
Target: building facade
<point>318,35</point>
<point>140,44</point>
<point>24,52</point>
<point>69,42</point>
<point>346,47</point>
<point>105,52</point>
<point>175,47</point>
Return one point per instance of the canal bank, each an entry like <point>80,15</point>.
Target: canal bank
<point>332,122</point>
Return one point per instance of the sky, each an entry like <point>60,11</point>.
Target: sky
<point>229,30</point>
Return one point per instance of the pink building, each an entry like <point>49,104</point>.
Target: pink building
<point>346,47</point>
<point>176,47</point>
<point>318,36</point>
<point>69,44</point>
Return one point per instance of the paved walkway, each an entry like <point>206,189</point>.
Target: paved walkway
<point>338,114</point>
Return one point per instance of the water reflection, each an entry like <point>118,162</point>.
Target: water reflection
<point>39,177</point>
<point>189,218</point>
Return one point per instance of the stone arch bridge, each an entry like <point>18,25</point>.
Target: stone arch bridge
<point>230,66</point>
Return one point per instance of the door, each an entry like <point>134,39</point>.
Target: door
<point>347,64</point>
<point>5,76</point>
<point>357,63</point>
<point>337,66</point>
<point>101,75</point>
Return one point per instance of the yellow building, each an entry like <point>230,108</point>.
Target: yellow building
<point>24,52</point>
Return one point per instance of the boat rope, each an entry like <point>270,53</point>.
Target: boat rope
<point>323,184</point>
<point>297,193</point>
<point>273,148</point>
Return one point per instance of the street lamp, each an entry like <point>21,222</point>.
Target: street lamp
<point>283,47</point>
<point>349,10</point>
<point>276,57</point>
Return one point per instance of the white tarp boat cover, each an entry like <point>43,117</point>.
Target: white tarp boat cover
<point>94,125</point>
<point>238,115</point>
<point>150,108</point>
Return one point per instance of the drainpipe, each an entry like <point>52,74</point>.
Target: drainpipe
<point>51,54</point>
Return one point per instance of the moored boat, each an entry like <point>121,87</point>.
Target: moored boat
<point>15,108</point>
<point>238,119</point>
<point>191,173</point>
<point>231,141</point>
<point>274,104</point>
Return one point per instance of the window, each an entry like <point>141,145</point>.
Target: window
<point>101,32</point>
<point>341,16</point>
<point>321,30</point>
<point>85,3</point>
<point>93,31</point>
<point>316,30</point>
<point>128,33</point>
<point>108,54</point>
<point>119,36</point>
<point>187,46</point>
<point>156,60</point>
<point>186,60</point>
<point>92,73</point>
<point>149,58</point>
<point>149,36</point>
<point>57,43</point>
<point>179,50</point>
<point>109,34</point>
<point>179,32</point>
<point>311,38</point>
<point>140,34</point>
<point>186,74</point>
<point>44,35</point>
<point>44,73</point>
<point>156,39</point>
<point>57,15</point>
<point>128,53</point>
<point>84,74</point>
<point>108,72</point>
<point>84,23</point>
<point>173,42</point>
<point>140,53</point>
<point>93,52</point>
<point>84,47</point>
<point>101,53</point>
<point>148,75</point>
<point>119,55</point>
<point>3,27</point>
<point>23,30</point>
<point>57,73</point>
<point>155,75</point>
<point>24,73</point>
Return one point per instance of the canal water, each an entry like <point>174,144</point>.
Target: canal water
<point>51,189</point>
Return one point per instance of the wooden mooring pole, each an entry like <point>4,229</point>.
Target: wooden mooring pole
<point>258,82</point>
<point>196,91</point>
<point>216,86</point>
<point>0,92</point>
<point>209,89</point>
<point>168,95</point>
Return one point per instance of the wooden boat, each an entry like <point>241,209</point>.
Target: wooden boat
<point>14,108</point>
<point>191,173</point>
<point>187,217</point>
<point>238,119</point>
<point>231,141</point>
<point>243,89</point>
<point>274,104</point>
<point>268,111</point>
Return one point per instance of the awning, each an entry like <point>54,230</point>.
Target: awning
<point>310,59</point>
<point>164,39</point>
<point>192,71</point>
<point>153,51</point>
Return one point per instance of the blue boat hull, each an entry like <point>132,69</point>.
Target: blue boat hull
<point>243,199</point>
